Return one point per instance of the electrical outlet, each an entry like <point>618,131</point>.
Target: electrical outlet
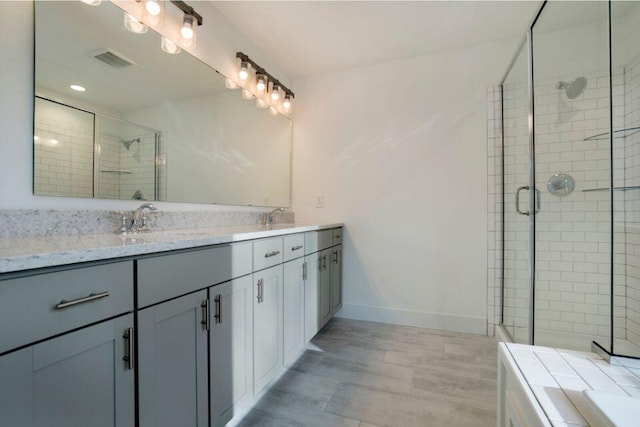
<point>319,200</point>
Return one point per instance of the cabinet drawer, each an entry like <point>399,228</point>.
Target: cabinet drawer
<point>337,236</point>
<point>293,246</point>
<point>168,276</point>
<point>266,253</point>
<point>37,307</point>
<point>315,241</point>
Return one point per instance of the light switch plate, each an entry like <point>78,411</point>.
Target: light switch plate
<point>319,200</point>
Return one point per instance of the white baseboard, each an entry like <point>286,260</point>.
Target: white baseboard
<point>421,319</point>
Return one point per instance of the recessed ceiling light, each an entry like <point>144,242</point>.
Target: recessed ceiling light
<point>78,88</point>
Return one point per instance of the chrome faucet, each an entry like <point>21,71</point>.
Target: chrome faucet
<point>269,218</point>
<point>139,219</point>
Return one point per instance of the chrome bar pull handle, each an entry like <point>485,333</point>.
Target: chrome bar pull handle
<point>91,297</point>
<point>218,315</point>
<point>204,306</point>
<point>304,270</point>
<point>128,348</point>
<point>335,257</point>
<point>538,200</point>
<point>270,254</point>
<point>524,187</point>
<point>295,248</point>
<point>324,262</point>
<point>260,291</point>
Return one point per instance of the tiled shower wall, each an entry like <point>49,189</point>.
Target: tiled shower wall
<point>573,232</point>
<point>572,241</point>
<point>629,222</point>
<point>140,160</point>
<point>63,152</point>
<point>494,205</point>
<point>123,172</point>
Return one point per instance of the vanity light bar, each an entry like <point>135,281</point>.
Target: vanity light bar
<point>259,70</point>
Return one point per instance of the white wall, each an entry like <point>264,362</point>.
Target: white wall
<point>399,152</point>
<point>218,41</point>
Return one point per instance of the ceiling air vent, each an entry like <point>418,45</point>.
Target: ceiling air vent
<point>112,58</point>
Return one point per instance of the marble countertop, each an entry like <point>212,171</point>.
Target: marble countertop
<point>28,253</point>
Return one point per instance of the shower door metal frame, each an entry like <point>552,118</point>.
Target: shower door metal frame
<point>527,41</point>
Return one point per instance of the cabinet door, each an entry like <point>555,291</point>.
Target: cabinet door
<point>230,348</point>
<point>325,288</point>
<point>267,326</point>
<point>311,293</point>
<point>78,379</point>
<point>293,310</point>
<point>172,363</point>
<point>336,279</point>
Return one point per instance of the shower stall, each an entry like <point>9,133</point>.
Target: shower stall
<point>567,179</point>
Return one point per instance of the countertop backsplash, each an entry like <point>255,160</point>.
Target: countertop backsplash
<point>42,222</point>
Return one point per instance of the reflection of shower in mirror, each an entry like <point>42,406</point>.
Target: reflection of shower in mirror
<point>573,89</point>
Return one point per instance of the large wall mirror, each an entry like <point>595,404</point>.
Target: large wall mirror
<point>149,125</point>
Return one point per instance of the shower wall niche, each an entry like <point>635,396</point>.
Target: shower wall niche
<point>85,154</point>
<point>564,265</point>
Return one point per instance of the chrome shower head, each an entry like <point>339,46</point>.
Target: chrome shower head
<point>573,89</point>
<point>127,144</point>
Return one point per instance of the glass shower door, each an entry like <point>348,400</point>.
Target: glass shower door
<point>572,143</point>
<point>516,272</point>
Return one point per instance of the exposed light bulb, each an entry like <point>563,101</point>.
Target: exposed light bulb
<point>187,27</point>
<point>153,7</point>
<point>92,2</point>
<point>260,103</point>
<point>246,94</point>
<point>286,104</point>
<point>275,93</point>
<point>78,88</point>
<point>261,83</point>
<point>230,84</point>
<point>273,111</point>
<point>243,73</point>
<point>169,46</point>
<point>133,25</point>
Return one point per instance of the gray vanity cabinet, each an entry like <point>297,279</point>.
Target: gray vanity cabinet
<point>267,325</point>
<point>324,284</point>
<point>172,362</point>
<point>78,379</point>
<point>230,348</point>
<point>336,279</point>
<point>311,293</point>
<point>293,310</point>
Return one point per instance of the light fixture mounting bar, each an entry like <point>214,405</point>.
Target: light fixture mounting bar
<point>261,70</point>
<point>188,10</point>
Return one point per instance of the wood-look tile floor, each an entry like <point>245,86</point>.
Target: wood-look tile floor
<point>365,374</point>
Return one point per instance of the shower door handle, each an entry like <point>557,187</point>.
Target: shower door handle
<point>538,200</point>
<point>524,187</point>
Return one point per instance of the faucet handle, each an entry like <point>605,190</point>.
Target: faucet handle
<point>123,221</point>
